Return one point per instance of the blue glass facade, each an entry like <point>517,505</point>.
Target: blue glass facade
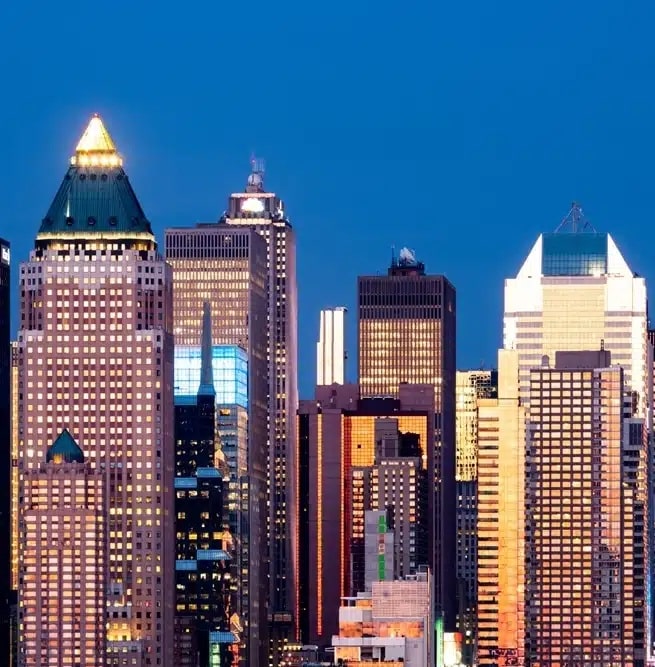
<point>582,254</point>
<point>230,365</point>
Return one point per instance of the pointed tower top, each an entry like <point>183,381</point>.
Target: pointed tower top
<point>64,450</point>
<point>256,176</point>
<point>96,147</point>
<point>206,370</point>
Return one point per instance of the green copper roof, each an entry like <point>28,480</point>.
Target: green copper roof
<point>64,450</point>
<point>95,196</point>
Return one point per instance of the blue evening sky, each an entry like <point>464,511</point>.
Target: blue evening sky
<point>459,129</point>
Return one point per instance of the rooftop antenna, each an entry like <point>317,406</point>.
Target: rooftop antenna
<point>576,220</point>
<point>393,255</point>
<point>256,176</point>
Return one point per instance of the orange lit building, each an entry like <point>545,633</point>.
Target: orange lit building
<point>63,561</point>
<point>337,434</point>
<point>586,512</point>
<point>501,520</point>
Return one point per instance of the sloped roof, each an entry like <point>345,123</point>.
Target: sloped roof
<point>95,196</point>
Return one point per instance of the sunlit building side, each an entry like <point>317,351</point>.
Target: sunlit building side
<point>586,516</point>
<point>470,386</point>
<point>501,521</point>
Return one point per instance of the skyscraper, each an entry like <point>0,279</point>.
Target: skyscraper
<point>5,445</point>
<point>264,213</point>
<point>96,355</point>
<point>406,329</point>
<point>586,516</point>
<point>574,290</point>
<point>501,521</point>
<point>63,561</point>
<point>226,267</point>
<point>202,569</point>
<point>337,437</point>
<point>331,347</point>
<point>471,386</point>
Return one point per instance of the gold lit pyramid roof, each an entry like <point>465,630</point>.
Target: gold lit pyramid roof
<point>96,147</point>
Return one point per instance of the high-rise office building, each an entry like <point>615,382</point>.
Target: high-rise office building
<point>96,352</point>
<point>5,445</point>
<point>406,330</point>
<point>470,386</point>
<point>331,347</point>
<point>337,436</point>
<point>574,290</point>
<point>501,521</point>
<point>397,483</point>
<point>586,516</point>
<point>227,268</point>
<point>202,570</point>
<point>263,212</point>
<point>63,561</point>
<point>15,506</point>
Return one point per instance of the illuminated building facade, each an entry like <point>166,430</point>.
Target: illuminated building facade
<point>63,560</point>
<point>226,267</point>
<point>470,386</point>
<point>392,624</point>
<point>573,290</point>
<point>6,579</point>
<point>396,483</point>
<point>96,350</point>
<point>337,435</point>
<point>331,347</point>
<point>586,516</point>
<point>406,331</point>
<point>263,212</point>
<point>202,569</point>
<point>501,521</point>
<point>15,506</point>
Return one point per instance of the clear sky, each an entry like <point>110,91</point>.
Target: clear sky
<point>458,129</point>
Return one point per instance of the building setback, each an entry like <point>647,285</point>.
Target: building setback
<point>95,350</point>
<point>63,562</point>
<point>406,334</point>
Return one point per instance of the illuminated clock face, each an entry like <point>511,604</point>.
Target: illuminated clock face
<point>252,205</point>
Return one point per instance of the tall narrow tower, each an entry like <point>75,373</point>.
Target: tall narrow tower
<point>96,353</point>
<point>5,447</point>
<point>406,330</point>
<point>264,212</point>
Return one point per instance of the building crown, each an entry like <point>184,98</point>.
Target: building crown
<point>96,147</point>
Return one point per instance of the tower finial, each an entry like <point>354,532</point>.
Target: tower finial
<point>256,176</point>
<point>206,369</point>
<point>576,220</point>
<point>96,147</point>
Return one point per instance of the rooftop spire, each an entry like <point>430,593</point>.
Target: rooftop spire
<point>575,221</point>
<point>96,147</point>
<point>206,370</point>
<point>256,176</point>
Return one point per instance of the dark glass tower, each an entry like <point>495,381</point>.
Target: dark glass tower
<point>406,331</point>
<point>202,562</point>
<point>5,448</point>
